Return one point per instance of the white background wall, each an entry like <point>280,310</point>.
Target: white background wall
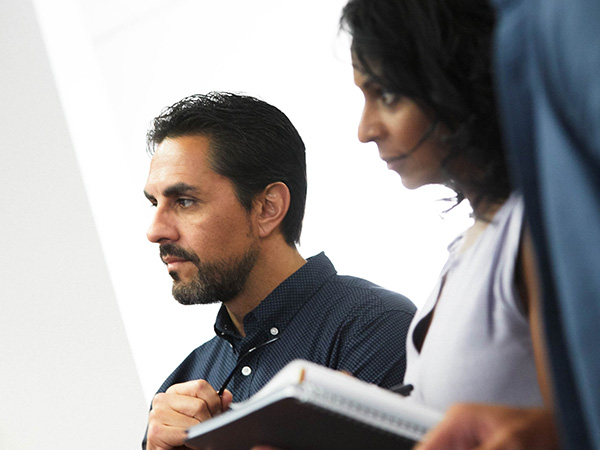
<point>116,64</point>
<point>67,375</point>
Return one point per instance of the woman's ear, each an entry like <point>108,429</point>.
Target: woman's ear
<point>274,203</point>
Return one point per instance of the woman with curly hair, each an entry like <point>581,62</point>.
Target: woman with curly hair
<point>424,67</point>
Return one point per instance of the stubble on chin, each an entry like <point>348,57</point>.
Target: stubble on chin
<point>215,282</point>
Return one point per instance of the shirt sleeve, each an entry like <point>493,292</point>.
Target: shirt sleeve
<point>373,346</point>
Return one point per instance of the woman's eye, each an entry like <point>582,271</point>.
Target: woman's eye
<point>388,98</point>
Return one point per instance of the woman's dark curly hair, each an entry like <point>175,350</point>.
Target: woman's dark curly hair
<point>438,53</point>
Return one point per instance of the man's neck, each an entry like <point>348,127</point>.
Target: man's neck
<point>272,269</point>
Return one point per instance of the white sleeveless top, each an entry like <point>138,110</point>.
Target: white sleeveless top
<point>478,347</point>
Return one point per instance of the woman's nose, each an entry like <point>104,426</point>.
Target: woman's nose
<point>370,127</point>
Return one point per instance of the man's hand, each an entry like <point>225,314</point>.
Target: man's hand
<point>491,427</point>
<point>180,407</point>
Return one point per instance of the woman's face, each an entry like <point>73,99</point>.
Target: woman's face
<point>397,125</point>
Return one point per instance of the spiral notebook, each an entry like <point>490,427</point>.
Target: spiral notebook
<point>307,406</point>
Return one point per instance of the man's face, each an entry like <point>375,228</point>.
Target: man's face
<point>206,237</point>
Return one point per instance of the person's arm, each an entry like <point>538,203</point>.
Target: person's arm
<point>530,290</point>
<point>372,346</point>
<point>180,407</point>
<point>493,427</point>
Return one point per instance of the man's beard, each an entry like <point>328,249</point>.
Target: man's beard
<point>218,281</point>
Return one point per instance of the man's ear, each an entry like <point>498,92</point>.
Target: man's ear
<point>274,203</point>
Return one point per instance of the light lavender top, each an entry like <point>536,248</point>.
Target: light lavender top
<point>478,347</point>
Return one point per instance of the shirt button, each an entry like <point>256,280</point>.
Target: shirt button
<point>274,331</point>
<point>246,371</point>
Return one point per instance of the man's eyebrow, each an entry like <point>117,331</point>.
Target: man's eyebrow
<point>174,190</point>
<point>179,189</point>
<point>148,196</point>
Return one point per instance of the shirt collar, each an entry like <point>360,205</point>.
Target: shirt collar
<point>273,314</point>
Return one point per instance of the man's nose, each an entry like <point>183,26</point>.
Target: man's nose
<point>162,227</point>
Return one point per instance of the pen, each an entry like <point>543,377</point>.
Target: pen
<point>402,389</point>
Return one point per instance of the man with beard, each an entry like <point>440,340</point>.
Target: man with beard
<point>228,182</point>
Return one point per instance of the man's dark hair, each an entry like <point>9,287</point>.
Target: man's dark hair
<point>438,53</point>
<point>251,142</point>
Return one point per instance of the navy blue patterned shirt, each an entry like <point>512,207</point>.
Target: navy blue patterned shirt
<point>342,322</point>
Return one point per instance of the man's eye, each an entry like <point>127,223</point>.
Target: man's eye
<point>185,202</point>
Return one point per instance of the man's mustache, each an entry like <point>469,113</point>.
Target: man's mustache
<point>177,252</point>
